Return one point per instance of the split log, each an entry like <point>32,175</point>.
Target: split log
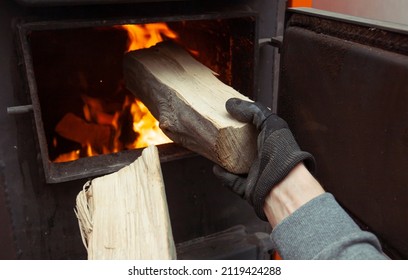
<point>189,102</point>
<point>124,215</point>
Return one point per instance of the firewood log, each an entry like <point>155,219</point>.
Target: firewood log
<point>77,129</point>
<point>124,215</point>
<point>189,102</point>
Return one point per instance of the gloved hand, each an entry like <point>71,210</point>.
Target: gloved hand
<point>278,154</point>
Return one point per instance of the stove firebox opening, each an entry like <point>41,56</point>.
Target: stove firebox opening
<point>86,109</point>
<point>84,106</point>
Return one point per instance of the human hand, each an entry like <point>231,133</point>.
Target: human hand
<point>278,154</point>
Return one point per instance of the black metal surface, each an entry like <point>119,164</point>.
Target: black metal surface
<point>104,164</point>
<point>6,233</point>
<point>43,223</point>
<point>347,103</point>
<point>234,243</point>
<point>84,2</point>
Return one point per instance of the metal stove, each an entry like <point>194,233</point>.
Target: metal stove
<point>342,88</point>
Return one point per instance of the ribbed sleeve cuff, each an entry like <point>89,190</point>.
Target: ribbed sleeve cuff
<point>321,229</point>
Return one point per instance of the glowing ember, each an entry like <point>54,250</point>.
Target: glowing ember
<point>106,127</point>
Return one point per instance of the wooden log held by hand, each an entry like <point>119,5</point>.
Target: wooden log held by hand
<point>189,102</point>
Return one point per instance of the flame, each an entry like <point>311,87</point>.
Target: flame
<point>144,128</point>
<point>147,35</point>
<point>147,126</point>
<point>70,156</point>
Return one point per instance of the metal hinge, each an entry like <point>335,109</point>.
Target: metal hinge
<point>275,42</point>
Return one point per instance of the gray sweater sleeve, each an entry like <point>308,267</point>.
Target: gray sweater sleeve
<point>321,229</point>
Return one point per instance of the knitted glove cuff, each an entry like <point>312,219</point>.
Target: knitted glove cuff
<point>282,154</point>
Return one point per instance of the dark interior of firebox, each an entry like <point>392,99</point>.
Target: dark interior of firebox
<point>77,68</point>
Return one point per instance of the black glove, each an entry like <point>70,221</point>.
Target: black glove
<point>278,154</point>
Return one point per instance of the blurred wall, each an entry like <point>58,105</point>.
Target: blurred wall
<point>390,10</point>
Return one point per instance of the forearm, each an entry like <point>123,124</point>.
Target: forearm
<point>309,224</point>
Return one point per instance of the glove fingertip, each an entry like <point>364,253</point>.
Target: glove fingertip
<point>217,170</point>
<point>221,172</point>
<point>232,181</point>
<point>241,110</point>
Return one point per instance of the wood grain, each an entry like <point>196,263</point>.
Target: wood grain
<point>189,101</point>
<point>124,215</point>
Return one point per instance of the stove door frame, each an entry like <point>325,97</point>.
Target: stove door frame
<point>103,164</point>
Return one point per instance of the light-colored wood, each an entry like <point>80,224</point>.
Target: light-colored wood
<point>124,215</point>
<point>189,102</point>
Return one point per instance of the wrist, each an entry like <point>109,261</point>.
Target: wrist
<point>280,154</point>
<point>295,190</point>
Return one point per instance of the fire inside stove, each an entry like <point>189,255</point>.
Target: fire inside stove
<point>107,118</point>
<point>86,109</point>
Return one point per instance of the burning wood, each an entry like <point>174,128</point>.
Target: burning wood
<point>119,122</point>
<point>189,102</point>
<point>77,129</point>
<point>103,131</point>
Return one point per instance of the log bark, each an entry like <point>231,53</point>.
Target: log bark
<point>124,215</point>
<point>189,102</point>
